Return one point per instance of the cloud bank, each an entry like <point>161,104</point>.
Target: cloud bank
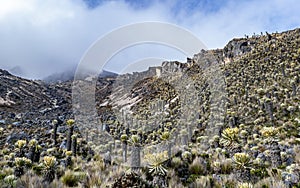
<point>46,36</point>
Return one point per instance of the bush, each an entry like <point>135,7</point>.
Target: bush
<point>70,179</point>
<point>198,166</point>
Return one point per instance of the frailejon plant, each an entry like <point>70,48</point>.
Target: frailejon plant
<point>34,154</point>
<point>242,160</point>
<point>242,164</point>
<point>268,132</point>
<point>155,163</point>
<point>69,158</point>
<point>70,124</point>
<point>136,152</point>
<point>229,136</point>
<point>20,144</point>
<point>11,180</point>
<point>74,145</point>
<point>124,140</point>
<point>20,164</point>
<point>49,164</point>
<point>165,137</point>
<point>55,125</point>
<point>245,185</point>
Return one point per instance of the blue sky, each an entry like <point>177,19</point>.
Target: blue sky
<point>47,36</point>
<point>191,5</point>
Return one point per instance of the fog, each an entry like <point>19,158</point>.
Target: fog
<point>42,37</point>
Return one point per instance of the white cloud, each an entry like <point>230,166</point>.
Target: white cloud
<point>46,36</point>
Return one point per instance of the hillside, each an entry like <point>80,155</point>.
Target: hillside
<point>225,118</point>
<point>30,99</point>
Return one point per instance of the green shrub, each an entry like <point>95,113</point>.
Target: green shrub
<point>198,166</point>
<point>72,179</point>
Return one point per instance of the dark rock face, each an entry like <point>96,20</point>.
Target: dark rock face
<point>4,72</point>
<point>16,136</point>
<point>238,47</point>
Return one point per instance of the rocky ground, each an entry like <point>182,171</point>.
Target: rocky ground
<point>225,118</point>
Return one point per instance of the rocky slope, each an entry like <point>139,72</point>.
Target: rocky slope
<point>247,95</point>
<point>30,98</point>
<point>228,117</point>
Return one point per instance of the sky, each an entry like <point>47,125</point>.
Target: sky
<point>42,37</point>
